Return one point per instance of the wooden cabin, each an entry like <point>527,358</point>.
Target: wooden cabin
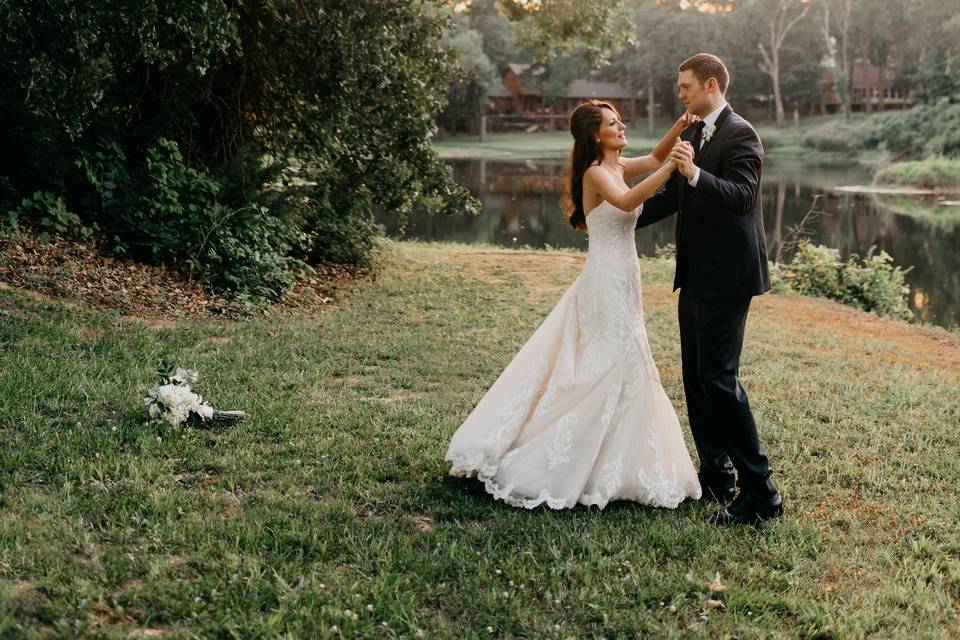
<point>519,93</point>
<point>871,89</point>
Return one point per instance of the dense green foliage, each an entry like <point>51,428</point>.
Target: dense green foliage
<point>932,173</point>
<point>925,130</point>
<point>240,139</point>
<point>871,283</point>
<point>639,43</point>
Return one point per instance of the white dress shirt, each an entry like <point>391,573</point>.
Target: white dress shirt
<point>709,124</point>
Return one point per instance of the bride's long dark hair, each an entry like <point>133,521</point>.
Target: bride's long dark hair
<point>585,123</point>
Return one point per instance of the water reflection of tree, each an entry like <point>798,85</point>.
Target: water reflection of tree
<point>853,223</point>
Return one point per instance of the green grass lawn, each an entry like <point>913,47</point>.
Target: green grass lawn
<point>329,512</point>
<point>520,146</point>
<point>779,143</point>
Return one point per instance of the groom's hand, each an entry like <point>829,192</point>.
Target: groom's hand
<point>682,154</point>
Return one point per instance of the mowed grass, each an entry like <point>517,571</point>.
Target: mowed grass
<point>540,144</point>
<point>779,144</point>
<point>329,512</point>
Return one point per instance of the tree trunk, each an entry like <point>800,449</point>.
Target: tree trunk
<point>778,27</point>
<point>651,104</point>
<point>845,57</point>
<point>777,97</point>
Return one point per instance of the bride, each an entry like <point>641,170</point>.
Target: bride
<point>579,414</point>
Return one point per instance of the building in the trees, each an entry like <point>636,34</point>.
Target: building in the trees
<point>520,92</point>
<point>872,88</point>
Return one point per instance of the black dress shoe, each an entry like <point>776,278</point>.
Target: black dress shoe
<point>750,509</point>
<point>713,493</point>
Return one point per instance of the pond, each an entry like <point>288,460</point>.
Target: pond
<point>521,207</point>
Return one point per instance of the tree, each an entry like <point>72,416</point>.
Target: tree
<point>654,28</point>
<point>556,27</point>
<point>237,138</point>
<point>838,48</point>
<point>783,16</point>
<point>927,51</point>
<point>499,34</point>
<point>475,74</point>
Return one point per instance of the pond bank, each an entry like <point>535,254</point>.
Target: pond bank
<point>521,206</point>
<point>785,146</point>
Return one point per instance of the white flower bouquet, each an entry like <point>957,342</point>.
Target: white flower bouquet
<point>175,402</point>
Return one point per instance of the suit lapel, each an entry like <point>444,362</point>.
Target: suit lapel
<point>724,114</point>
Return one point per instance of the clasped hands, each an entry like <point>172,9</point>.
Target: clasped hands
<point>682,156</point>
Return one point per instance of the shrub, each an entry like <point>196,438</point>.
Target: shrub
<point>174,128</point>
<point>932,173</point>
<point>842,136</point>
<point>921,132</point>
<point>872,284</point>
<point>50,214</point>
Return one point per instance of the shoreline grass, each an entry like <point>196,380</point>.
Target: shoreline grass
<point>780,144</point>
<point>329,512</point>
<point>522,146</point>
<point>940,174</point>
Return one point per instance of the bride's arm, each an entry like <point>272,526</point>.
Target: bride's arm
<point>643,164</point>
<point>600,181</point>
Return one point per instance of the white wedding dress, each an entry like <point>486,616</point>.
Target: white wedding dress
<point>579,414</point>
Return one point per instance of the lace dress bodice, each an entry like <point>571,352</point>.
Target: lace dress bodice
<point>610,300</point>
<point>611,235</point>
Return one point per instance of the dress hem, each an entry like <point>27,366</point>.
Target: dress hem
<point>506,495</point>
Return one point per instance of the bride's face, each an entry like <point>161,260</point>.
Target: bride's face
<point>611,133</point>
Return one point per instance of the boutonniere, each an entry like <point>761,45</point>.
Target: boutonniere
<point>708,132</point>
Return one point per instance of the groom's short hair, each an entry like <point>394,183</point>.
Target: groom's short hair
<point>705,66</point>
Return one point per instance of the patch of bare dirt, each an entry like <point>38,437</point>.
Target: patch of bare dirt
<point>909,345</point>
<point>495,266</point>
<point>81,274</point>
<point>423,522</point>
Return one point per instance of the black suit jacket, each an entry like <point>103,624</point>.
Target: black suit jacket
<point>721,246</point>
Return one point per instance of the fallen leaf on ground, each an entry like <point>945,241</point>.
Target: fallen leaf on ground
<point>424,522</point>
<point>717,586</point>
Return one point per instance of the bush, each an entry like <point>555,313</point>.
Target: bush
<point>50,214</point>
<point>841,136</point>
<point>921,132</point>
<point>174,131</point>
<point>872,284</point>
<point>932,173</point>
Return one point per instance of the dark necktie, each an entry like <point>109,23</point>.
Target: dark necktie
<point>697,136</point>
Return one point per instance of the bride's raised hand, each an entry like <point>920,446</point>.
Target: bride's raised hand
<point>686,120</point>
<point>660,155</point>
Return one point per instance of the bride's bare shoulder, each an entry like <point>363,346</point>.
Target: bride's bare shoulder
<point>596,172</point>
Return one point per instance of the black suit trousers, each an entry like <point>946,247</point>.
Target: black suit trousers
<point>725,433</point>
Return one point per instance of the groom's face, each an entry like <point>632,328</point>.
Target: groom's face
<point>693,94</point>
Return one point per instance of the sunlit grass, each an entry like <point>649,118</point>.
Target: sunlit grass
<point>331,505</point>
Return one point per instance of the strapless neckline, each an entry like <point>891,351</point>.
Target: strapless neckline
<point>603,202</point>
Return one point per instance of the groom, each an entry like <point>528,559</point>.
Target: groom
<point>721,265</point>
